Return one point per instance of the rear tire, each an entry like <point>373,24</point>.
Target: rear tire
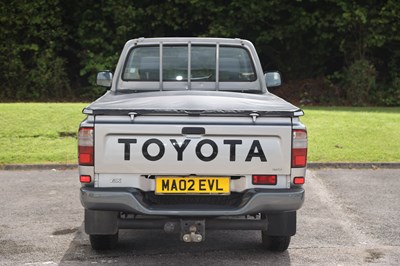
<point>103,242</point>
<point>275,243</point>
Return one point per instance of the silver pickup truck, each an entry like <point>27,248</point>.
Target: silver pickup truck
<point>187,139</point>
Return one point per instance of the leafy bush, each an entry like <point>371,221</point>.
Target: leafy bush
<point>388,95</point>
<point>359,82</point>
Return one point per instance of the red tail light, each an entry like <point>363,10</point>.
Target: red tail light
<point>299,148</point>
<point>85,146</point>
<point>264,179</point>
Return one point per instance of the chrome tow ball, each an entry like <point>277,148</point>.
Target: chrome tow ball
<point>192,231</point>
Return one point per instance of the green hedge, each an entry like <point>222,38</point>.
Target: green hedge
<point>51,50</point>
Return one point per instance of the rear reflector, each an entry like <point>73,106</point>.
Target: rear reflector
<point>85,178</point>
<point>299,180</point>
<point>264,179</point>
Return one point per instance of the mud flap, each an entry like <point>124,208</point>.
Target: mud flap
<point>281,224</point>
<point>101,222</point>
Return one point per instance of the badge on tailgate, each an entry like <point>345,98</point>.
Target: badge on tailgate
<point>192,185</point>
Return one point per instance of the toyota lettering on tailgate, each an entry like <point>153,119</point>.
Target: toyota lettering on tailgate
<point>255,150</point>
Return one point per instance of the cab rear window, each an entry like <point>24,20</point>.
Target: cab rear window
<point>181,62</point>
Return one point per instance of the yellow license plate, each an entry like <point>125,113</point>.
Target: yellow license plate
<point>192,185</point>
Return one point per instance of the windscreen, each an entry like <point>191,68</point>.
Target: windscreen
<point>189,63</point>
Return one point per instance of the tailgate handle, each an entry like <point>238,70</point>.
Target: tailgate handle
<point>193,131</point>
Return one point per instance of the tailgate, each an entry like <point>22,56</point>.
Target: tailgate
<point>192,145</point>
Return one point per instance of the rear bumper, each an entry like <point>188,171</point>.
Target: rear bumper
<point>131,200</point>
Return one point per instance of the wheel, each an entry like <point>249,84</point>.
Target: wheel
<point>275,243</point>
<point>103,242</point>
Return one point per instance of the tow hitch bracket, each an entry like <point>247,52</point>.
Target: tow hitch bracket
<point>193,230</point>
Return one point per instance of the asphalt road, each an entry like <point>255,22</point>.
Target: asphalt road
<point>350,217</point>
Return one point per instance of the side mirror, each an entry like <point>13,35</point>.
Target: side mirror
<point>104,78</point>
<point>273,79</point>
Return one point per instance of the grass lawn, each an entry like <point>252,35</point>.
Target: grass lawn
<point>349,134</point>
<point>46,133</point>
<point>39,132</point>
